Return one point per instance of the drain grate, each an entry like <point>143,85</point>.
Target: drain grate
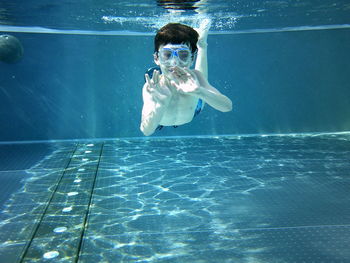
<point>59,234</point>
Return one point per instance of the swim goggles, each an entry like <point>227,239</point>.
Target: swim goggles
<point>181,52</point>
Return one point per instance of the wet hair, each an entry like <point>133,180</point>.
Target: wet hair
<point>176,33</point>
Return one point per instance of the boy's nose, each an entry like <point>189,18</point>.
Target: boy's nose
<point>174,61</point>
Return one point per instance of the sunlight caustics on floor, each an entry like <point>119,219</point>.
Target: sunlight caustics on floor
<point>200,199</point>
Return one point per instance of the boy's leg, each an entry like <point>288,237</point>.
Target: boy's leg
<point>202,61</point>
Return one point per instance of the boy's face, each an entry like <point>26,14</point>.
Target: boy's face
<point>173,55</point>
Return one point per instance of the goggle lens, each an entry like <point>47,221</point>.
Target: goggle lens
<point>166,54</point>
<point>183,54</point>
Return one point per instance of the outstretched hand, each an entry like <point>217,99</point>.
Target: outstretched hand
<point>160,93</point>
<point>184,80</point>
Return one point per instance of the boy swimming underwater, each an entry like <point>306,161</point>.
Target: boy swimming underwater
<point>174,94</point>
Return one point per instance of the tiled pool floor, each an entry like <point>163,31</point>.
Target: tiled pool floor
<point>200,199</point>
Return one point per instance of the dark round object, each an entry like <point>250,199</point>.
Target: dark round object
<point>11,49</point>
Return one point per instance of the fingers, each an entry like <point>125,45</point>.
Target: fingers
<point>187,72</point>
<point>153,83</point>
<point>182,70</point>
<point>149,83</point>
<point>162,94</point>
<point>155,77</point>
<point>148,80</point>
<point>182,73</point>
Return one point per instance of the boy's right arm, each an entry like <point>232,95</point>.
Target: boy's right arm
<point>151,114</point>
<point>155,101</point>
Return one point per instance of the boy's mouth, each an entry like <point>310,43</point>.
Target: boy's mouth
<point>174,68</point>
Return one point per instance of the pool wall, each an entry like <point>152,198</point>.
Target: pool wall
<point>81,86</point>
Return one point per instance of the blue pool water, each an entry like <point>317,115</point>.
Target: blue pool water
<point>265,183</point>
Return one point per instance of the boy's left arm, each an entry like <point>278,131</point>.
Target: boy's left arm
<point>192,82</point>
<point>211,95</point>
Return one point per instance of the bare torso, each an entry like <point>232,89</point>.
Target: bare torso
<point>180,110</point>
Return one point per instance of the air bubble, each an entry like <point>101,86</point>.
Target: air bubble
<point>72,193</point>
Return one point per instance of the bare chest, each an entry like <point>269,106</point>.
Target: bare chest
<point>180,110</point>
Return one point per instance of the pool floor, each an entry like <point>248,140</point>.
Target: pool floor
<point>192,199</point>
